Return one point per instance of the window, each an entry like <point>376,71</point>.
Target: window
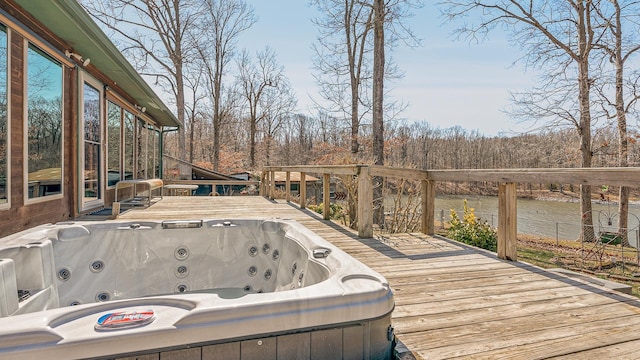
<point>4,122</point>
<point>120,134</point>
<point>114,117</point>
<point>127,144</point>
<point>141,146</point>
<point>44,124</point>
<point>92,143</point>
<point>158,155</point>
<point>153,147</point>
<point>147,151</point>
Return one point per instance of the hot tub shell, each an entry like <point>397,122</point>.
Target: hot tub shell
<point>250,288</point>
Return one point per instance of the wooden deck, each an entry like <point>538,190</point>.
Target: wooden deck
<point>453,301</point>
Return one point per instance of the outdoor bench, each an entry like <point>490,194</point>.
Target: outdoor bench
<point>148,186</point>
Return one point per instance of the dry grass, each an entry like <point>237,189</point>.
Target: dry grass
<point>612,262</point>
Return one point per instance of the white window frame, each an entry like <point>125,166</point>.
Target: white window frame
<point>120,141</point>
<point>83,77</point>
<point>25,128</point>
<point>7,205</point>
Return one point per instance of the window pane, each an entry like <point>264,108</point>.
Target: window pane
<point>92,142</point>
<point>91,97</point>
<point>4,129</point>
<point>91,171</point>
<point>129,121</point>
<point>44,124</point>
<point>113,144</point>
<point>141,147</point>
<point>156,142</point>
<point>151,154</point>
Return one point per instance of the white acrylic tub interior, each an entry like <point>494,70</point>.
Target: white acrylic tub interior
<point>206,282</point>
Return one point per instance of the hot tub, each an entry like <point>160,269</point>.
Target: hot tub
<point>241,288</point>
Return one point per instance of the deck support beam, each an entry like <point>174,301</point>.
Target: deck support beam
<point>507,222</point>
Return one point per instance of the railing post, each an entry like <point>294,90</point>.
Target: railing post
<point>428,206</point>
<point>263,183</point>
<point>287,184</point>
<point>303,190</point>
<point>326,201</point>
<point>272,185</point>
<point>365,203</point>
<point>507,222</point>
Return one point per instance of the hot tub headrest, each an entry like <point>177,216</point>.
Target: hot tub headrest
<point>73,232</point>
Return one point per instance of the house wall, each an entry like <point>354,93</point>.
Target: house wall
<point>54,205</point>
<point>21,215</point>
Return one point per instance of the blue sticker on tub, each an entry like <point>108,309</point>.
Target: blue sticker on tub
<point>124,320</point>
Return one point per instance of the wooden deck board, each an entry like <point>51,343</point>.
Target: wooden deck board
<point>453,301</point>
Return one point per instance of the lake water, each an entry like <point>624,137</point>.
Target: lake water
<point>553,219</point>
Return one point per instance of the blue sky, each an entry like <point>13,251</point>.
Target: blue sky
<point>447,82</point>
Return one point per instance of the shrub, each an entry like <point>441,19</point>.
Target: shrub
<point>471,230</point>
<point>335,211</point>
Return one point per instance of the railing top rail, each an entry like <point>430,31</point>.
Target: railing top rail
<point>213,182</point>
<point>323,169</point>
<point>629,176</point>
<point>413,174</point>
<point>592,176</point>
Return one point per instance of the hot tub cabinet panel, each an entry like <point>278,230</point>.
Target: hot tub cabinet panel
<point>114,289</point>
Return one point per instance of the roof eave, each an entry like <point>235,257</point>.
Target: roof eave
<point>91,42</point>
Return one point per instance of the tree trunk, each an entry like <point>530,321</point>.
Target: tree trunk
<point>216,129</point>
<point>217,121</point>
<point>252,143</point>
<point>191,134</point>
<point>585,120</point>
<point>268,150</point>
<point>355,123</point>
<point>185,170</point>
<point>623,160</point>
<point>378,102</point>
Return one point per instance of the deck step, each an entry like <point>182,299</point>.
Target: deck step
<point>623,288</point>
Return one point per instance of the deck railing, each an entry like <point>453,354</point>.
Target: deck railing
<point>507,180</point>
<point>215,183</point>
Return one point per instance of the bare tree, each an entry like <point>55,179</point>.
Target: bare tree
<point>344,54</point>
<point>277,105</point>
<point>557,36</point>
<point>223,22</point>
<point>255,79</point>
<point>619,50</point>
<point>155,34</point>
<point>193,115</point>
<point>341,50</point>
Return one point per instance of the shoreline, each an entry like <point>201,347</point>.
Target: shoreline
<point>546,195</point>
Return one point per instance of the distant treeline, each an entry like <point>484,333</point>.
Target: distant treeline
<point>301,139</point>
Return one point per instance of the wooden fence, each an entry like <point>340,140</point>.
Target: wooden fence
<point>506,178</point>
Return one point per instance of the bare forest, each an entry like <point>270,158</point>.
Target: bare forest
<point>238,109</point>
<point>303,140</point>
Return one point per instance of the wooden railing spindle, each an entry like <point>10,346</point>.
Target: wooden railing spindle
<point>326,201</point>
<point>303,190</point>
